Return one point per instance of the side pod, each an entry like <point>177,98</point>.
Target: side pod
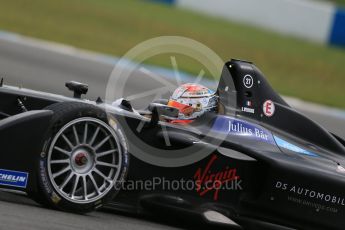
<point>21,140</point>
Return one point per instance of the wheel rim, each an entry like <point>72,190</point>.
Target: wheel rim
<point>84,160</point>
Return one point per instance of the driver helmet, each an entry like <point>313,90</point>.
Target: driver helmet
<point>193,100</point>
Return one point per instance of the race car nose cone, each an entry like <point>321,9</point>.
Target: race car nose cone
<point>81,159</point>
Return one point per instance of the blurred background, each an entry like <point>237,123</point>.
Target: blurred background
<point>298,44</point>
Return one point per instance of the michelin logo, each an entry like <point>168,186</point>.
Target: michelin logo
<point>13,178</point>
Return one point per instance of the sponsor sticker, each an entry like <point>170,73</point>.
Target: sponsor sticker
<point>13,178</point>
<point>237,127</point>
<point>242,128</point>
<point>286,145</point>
<point>210,180</point>
<point>248,81</point>
<point>268,108</point>
<point>248,110</point>
<point>309,193</point>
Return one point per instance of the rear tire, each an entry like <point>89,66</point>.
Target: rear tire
<point>83,162</point>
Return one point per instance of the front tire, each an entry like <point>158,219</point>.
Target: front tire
<point>83,161</point>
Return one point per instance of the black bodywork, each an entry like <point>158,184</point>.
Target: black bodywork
<point>288,168</point>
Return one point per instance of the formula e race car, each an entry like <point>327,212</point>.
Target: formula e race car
<point>255,164</point>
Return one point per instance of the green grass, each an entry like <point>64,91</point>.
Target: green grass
<point>294,67</point>
<point>338,2</point>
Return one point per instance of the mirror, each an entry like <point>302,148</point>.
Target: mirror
<point>77,87</point>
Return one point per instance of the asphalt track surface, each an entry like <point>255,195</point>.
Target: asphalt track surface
<point>40,69</point>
